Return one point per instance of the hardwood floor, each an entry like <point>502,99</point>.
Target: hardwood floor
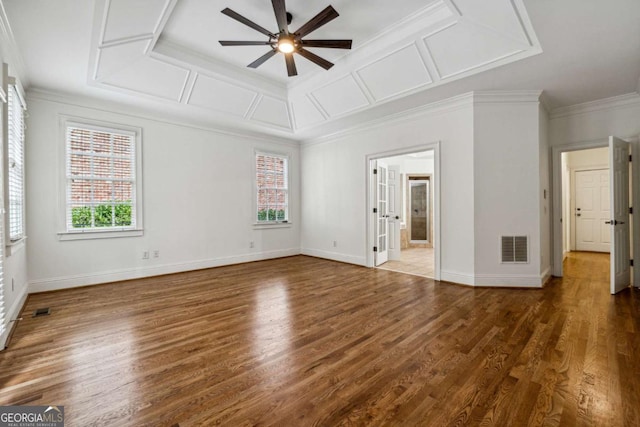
<point>302,341</point>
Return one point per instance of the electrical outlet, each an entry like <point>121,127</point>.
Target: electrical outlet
<point>145,255</point>
<point>156,253</point>
<point>251,245</point>
<point>335,243</point>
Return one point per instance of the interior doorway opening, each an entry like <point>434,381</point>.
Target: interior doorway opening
<point>593,191</point>
<point>586,201</point>
<point>403,200</point>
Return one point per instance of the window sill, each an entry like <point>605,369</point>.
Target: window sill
<point>98,234</point>
<point>15,246</point>
<point>264,225</point>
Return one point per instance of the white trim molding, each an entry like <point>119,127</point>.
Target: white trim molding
<point>65,282</point>
<point>335,256</point>
<point>614,102</point>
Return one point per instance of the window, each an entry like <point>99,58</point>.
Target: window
<point>102,186</point>
<point>15,164</point>
<point>272,184</point>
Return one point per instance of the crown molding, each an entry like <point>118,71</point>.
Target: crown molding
<point>141,113</point>
<point>438,107</point>
<point>621,101</point>
<point>10,49</point>
<point>506,96</point>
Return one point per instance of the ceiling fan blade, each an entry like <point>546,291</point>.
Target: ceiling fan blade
<point>328,14</point>
<point>242,43</point>
<point>334,44</point>
<point>235,15</point>
<point>291,64</point>
<point>280,11</point>
<point>258,62</point>
<point>315,58</point>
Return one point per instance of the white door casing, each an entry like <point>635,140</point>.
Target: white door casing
<point>382,215</point>
<point>592,210</point>
<point>395,208</point>
<point>619,221</point>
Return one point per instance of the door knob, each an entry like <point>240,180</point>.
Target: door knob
<point>607,222</point>
<point>577,214</point>
<point>397,217</point>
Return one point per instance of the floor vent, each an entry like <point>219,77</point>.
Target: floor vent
<point>42,312</point>
<point>515,249</point>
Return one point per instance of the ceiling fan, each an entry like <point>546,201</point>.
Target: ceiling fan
<point>288,42</point>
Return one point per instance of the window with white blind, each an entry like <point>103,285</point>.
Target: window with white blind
<point>14,169</point>
<point>272,188</point>
<point>101,180</point>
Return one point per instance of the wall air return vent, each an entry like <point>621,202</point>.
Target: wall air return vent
<point>514,249</point>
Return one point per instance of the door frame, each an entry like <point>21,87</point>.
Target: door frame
<point>435,186</point>
<point>556,182</point>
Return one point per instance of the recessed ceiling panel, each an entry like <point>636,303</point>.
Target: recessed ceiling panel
<point>221,96</point>
<point>114,58</point>
<point>151,77</point>
<point>464,46</point>
<point>197,25</point>
<point>396,73</point>
<point>497,14</point>
<point>305,113</point>
<point>126,18</point>
<point>272,111</point>
<point>341,96</point>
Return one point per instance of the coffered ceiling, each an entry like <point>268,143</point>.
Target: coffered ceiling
<point>164,55</point>
<point>168,49</point>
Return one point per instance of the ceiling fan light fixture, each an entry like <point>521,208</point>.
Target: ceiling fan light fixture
<point>286,45</point>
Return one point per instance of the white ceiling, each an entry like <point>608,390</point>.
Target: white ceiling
<point>163,55</point>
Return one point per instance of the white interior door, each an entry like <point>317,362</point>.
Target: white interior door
<point>381,213</point>
<point>592,210</point>
<point>619,222</point>
<point>395,207</point>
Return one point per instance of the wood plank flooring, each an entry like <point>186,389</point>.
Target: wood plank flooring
<point>301,341</point>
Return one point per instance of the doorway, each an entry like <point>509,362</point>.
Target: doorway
<point>591,207</point>
<point>402,211</point>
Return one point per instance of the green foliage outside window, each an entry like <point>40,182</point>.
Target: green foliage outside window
<point>271,215</point>
<point>81,216</point>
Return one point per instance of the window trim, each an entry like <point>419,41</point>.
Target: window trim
<point>254,211</point>
<point>15,245</point>
<point>97,125</point>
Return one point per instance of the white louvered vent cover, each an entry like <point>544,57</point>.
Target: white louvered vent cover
<point>515,249</point>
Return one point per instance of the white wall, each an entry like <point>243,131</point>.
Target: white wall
<point>593,158</point>
<point>507,170</point>
<point>544,194</point>
<point>490,185</point>
<point>593,123</point>
<point>334,187</point>
<point>198,202</point>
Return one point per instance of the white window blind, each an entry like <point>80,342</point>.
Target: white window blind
<point>101,178</point>
<point>3,320</point>
<point>15,164</point>
<point>272,183</point>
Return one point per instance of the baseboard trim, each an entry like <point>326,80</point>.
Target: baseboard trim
<point>455,277</point>
<point>508,280</point>
<point>13,313</point>
<point>335,256</point>
<point>56,283</point>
